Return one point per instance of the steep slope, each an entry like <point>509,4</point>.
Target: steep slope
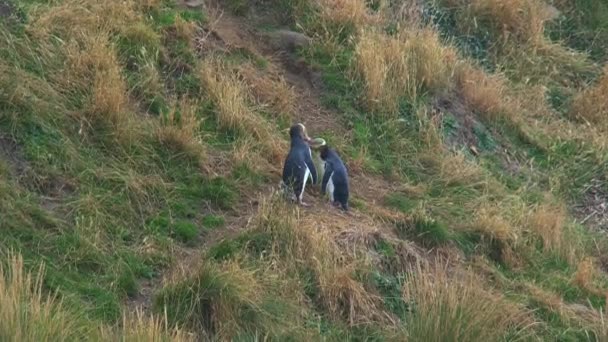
<point>141,143</point>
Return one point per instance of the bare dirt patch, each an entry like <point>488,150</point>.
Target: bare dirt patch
<point>592,210</point>
<point>463,134</point>
<point>11,153</point>
<point>6,9</point>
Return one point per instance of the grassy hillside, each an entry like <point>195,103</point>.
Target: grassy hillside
<point>141,142</point>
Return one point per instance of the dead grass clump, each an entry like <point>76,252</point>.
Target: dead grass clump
<point>548,222</point>
<point>75,41</point>
<point>346,14</point>
<point>271,91</point>
<point>502,235</point>
<point>214,300</point>
<point>486,94</point>
<point>184,29</point>
<point>492,224</point>
<point>347,298</point>
<point>447,308</point>
<point>138,327</point>
<point>455,169</point>
<point>179,129</point>
<point>81,18</point>
<point>584,276</point>
<point>109,88</point>
<point>394,67</point>
<point>230,93</point>
<point>99,73</point>
<point>28,314</point>
<point>571,314</point>
<point>147,4</point>
<point>309,245</point>
<point>519,20</point>
<point>591,104</point>
<point>546,62</point>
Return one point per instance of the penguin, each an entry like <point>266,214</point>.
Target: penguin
<point>299,167</point>
<point>335,178</point>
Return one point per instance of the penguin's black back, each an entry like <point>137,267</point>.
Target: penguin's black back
<point>339,176</point>
<point>295,165</point>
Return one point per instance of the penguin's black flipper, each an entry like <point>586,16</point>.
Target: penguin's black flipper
<point>326,176</point>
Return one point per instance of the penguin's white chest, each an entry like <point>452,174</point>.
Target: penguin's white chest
<point>331,187</point>
<point>304,181</point>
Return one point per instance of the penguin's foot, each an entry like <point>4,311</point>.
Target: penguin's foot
<point>302,203</point>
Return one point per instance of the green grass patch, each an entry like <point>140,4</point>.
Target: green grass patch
<point>211,222</point>
<point>185,231</point>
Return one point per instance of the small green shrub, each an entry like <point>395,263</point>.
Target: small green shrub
<point>185,231</point>
<point>213,221</point>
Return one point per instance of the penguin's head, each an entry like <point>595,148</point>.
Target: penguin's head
<point>324,152</point>
<point>299,130</point>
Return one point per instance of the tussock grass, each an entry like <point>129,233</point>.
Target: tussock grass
<point>308,247</point>
<point>450,308</point>
<point>229,93</point>
<point>229,300</point>
<point>347,15</point>
<point>138,327</point>
<point>519,20</point>
<point>270,90</point>
<point>549,223</point>
<point>490,223</point>
<point>573,315</point>
<point>28,314</point>
<point>84,60</point>
<point>179,129</point>
<point>185,30</point>
<point>392,68</point>
<point>591,104</point>
<point>586,275</point>
<point>486,94</point>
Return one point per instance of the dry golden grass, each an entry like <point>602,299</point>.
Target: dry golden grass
<point>89,65</point>
<point>489,222</point>
<point>139,327</point>
<point>147,4</point>
<point>346,13</point>
<point>492,222</point>
<point>544,63</point>
<point>346,297</point>
<point>185,30</point>
<point>395,67</point>
<point>81,19</point>
<point>571,314</point>
<point>230,93</point>
<point>520,20</point>
<point>221,301</point>
<point>311,243</point>
<point>455,169</point>
<point>584,277</point>
<point>270,90</point>
<point>548,222</point>
<point>591,104</point>
<point>28,314</point>
<point>486,94</point>
<point>179,130</point>
<point>458,308</point>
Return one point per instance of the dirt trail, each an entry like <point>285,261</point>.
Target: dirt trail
<point>226,33</point>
